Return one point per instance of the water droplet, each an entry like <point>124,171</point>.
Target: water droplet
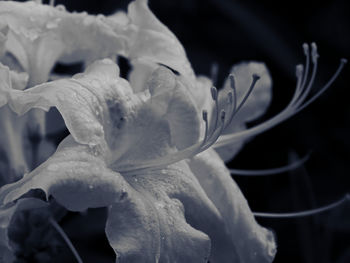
<point>61,8</point>
<point>101,17</point>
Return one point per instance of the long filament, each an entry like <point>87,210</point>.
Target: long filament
<point>343,61</point>
<point>297,103</point>
<point>310,212</point>
<point>66,239</point>
<point>271,171</point>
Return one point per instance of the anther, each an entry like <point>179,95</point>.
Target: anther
<point>314,53</point>
<point>306,49</point>
<point>205,115</point>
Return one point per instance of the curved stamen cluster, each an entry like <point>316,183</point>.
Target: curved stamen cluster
<point>208,140</point>
<point>210,135</point>
<point>298,102</point>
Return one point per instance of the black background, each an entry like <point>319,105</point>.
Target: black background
<point>227,32</point>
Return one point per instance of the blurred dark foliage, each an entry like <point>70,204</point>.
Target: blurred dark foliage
<point>227,32</point>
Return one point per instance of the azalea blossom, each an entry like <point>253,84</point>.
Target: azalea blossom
<point>143,147</point>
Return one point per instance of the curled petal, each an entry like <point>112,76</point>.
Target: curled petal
<point>252,243</point>
<point>74,176</point>
<point>154,42</point>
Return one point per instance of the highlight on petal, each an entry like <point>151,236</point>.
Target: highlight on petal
<point>252,243</point>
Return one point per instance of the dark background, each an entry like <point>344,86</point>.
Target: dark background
<point>227,32</point>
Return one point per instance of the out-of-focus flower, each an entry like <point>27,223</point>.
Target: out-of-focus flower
<point>40,35</point>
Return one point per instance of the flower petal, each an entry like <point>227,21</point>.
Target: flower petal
<point>174,101</point>
<point>154,42</point>
<point>151,227</point>
<point>74,175</point>
<point>164,217</point>
<point>252,243</point>
<point>41,34</point>
<point>149,210</point>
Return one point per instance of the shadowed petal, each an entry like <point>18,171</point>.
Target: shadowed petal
<point>252,243</point>
<point>7,213</point>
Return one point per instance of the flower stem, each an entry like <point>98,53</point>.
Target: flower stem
<point>66,239</point>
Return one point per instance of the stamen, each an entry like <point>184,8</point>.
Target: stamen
<point>310,212</point>
<point>232,99</point>
<point>305,92</point>
<point>342,63</point>
<point>272,171</point>
<point>189,152</point>
<point>307,63</point>
<point>252,85</point>
<point>297,103</point>
<point>66,239</point>
<point>235,108</point>
<point>299,70</point>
